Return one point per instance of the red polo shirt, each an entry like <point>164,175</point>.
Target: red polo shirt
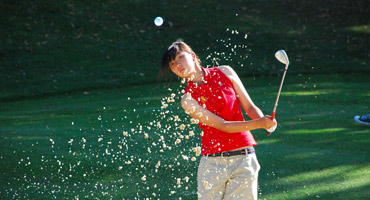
<point>217,95</point>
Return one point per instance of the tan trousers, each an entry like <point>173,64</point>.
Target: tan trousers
<point>228,178</point>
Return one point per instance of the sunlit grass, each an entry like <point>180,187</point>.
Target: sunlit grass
<point>359,29</point>
<point>366,94</point>
<point>270,141</point>
<point>341,172</point>
<point>88,157</point>
<point>318,131</point>
<point>315,91</point>
<point>341,178</point>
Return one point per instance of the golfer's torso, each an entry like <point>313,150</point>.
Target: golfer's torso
<point>217,95</point>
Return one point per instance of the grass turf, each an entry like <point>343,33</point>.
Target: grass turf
<point>76,146</point>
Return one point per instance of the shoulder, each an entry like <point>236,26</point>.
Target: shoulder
<point>228,71</point>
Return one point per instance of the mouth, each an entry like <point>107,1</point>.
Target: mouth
<point>182,70</point>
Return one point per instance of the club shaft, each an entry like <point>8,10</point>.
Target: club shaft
<point>278,94</point>
<point>277,97</point>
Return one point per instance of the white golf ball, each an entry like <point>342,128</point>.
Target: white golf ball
<point>158,21</point>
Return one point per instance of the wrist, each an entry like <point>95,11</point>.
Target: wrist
<point>260,123</point>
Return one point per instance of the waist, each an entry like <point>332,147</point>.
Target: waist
<point>244,151</point>
<point>215,141</point>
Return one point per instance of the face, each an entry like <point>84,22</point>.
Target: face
<point>183,65</point>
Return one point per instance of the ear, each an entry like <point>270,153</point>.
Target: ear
<point>193,56</point>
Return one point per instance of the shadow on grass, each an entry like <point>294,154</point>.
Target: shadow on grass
<point>296,172</point>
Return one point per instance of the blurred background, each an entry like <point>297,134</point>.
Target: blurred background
<point>59,47</point>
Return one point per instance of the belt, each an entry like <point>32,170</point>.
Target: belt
<point>232,153</point>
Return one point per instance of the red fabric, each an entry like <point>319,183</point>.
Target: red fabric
<point>217,95</point>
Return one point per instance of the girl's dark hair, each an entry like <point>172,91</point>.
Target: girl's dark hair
<point>173,50</point>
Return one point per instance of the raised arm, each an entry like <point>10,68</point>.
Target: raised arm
<point>246,102</point>
<point>204,116</point>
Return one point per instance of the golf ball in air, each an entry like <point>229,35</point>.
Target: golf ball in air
<point>158,21</point>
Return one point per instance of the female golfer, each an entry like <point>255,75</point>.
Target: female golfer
<point>228,168</point>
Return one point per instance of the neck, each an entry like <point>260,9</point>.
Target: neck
<point>197,76</point>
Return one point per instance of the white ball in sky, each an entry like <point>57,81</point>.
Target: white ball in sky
<point>158,21</point>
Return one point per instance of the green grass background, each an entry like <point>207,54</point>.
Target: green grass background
<point>53,47</point>
<point>76,74</point>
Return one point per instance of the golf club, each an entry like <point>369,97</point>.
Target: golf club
<point>283,58</point>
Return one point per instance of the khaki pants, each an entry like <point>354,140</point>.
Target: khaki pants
<point>229,178</point>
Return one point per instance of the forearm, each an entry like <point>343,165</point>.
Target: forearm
<point>254,112</point>
<point>239,126</point>
<point>208,118</point>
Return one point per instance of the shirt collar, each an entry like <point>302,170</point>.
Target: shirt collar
<point>206,77</point>
<point>206,74</point>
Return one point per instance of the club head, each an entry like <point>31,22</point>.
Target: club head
<point>282,57</point>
